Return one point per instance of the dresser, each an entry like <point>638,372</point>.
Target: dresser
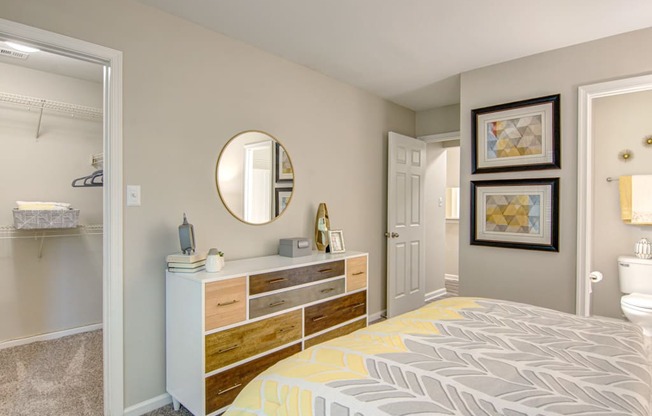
<point>222,329</point>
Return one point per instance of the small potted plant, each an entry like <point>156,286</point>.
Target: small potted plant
<point>214,260</point>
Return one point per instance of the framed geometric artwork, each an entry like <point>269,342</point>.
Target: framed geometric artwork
<point>523,135</point>
<point>516,213</point>
<point>284,170</point>
<point>282,197</point>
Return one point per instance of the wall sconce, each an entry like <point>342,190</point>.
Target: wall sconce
<point>626,155</point>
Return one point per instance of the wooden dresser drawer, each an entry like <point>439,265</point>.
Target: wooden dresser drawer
<point>222,388</point>
<point>225,302</point>
<point>266,282</point>
<point>276,302</point>
<point>356,273</point>
<point>326,314</point>
<point>343,330</point>
<point>227,347</point>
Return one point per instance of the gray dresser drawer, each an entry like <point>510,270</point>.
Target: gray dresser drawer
<point>280,301</point>
<point>266,282</point>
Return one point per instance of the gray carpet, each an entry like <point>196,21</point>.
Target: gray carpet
<point>62,377</point>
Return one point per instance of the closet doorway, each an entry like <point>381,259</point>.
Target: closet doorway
<point>110,195</point>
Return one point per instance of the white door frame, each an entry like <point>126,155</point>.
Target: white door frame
<point>112,192</point>
<point>586,95</point>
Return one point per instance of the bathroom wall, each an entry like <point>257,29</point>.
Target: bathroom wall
<point>619,122</point>
<point>63,288</point>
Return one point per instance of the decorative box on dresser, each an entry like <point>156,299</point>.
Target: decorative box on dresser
<point>222,329</point>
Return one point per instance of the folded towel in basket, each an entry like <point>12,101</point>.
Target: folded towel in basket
<point>37,205</point>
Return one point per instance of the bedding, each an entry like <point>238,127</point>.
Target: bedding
<point>463,356</point>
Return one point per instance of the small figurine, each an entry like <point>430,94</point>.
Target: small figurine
<point>186,236</point>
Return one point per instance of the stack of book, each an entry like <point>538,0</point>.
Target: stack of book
<point>186,263</point>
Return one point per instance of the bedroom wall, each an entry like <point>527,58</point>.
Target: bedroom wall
<point>438,120</point>
<point>620,122</point>
<point>62,289</point>
<point>537,277</point>
<point>188,90</point>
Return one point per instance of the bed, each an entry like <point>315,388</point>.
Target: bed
<point>464,356</point>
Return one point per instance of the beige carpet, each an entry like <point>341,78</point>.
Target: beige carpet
<point>62,377</point>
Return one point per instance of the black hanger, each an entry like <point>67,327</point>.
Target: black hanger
<point>94,179</point>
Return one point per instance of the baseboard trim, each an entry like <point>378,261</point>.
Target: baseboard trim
<point>435,294</point>
<point>148,405</point>
<point>49,336</point>
<point>377,316</point>
<point>452,277</point>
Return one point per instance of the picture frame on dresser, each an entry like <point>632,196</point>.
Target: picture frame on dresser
<point>224,328</point>
<point>516,136</point>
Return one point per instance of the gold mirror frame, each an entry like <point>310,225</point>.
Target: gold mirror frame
<point>232,163</point>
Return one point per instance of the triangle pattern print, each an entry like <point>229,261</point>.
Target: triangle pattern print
<point>513,213</point>
<point>515,137</point>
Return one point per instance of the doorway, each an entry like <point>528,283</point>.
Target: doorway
<point>112,218</point>
<point>589,180</point>
<point>442,213</point>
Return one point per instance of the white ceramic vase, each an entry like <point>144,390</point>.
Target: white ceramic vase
<point>214,262</point>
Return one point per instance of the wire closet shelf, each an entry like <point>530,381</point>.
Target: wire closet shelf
<point>73,110</point>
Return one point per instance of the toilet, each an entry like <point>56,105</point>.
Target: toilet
<point>636,283</point>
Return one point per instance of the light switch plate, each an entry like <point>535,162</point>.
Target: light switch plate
<point>133,195</point>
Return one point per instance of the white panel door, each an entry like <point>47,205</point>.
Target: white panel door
<point>406,232</point>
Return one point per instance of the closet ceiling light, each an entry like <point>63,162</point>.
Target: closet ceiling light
<point>22,48</point>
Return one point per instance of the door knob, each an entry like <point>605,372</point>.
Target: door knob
<point>392,235</point>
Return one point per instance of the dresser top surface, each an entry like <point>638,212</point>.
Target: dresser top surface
<point>256,265</point>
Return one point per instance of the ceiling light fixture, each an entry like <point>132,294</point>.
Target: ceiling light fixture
<point>22,48</point>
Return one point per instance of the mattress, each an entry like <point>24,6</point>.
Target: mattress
<point>464,356</point>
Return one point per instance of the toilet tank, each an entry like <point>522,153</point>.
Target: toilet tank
<point>635,275</point>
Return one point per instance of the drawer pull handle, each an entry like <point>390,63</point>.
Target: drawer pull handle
<point>357,273</point>
<point>286,329</point>
<point>318,318</point>
<point>328,289</point>
<point>228,303</point>
<point>325,270</point>
<point>279,280</point>
<point>232,347</point>
<point>358,305</point>
<point>278,303</point>
<point>235,386</point>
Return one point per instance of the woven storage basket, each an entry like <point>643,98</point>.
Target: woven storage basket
<point>33,219</point>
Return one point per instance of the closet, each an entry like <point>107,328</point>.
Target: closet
<point>51,139</point>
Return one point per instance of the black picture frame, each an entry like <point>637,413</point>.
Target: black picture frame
<point>494,201</point>
<point>279,194</point>
<point>543,113</point>
<point>282,159</point>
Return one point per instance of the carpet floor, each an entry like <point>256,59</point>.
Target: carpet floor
<point>61,377</point>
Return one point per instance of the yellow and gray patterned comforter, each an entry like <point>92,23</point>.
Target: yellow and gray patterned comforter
<point>463,356</point>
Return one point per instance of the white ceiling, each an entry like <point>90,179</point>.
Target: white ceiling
<point>410,51</point>
<point>56,64</point>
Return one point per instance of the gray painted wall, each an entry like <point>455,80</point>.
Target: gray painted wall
<point>620,122</point>
<point>438,120</point>
<point>62,289</point>
<point>187,90</point>
<point>535,277</point>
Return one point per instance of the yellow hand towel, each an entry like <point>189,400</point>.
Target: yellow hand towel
<point>642,199</point>
<point>625,185</point>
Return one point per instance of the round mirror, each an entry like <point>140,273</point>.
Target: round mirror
<point>254,177</point>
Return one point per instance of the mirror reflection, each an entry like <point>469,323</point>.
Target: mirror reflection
<point>254,177</point>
